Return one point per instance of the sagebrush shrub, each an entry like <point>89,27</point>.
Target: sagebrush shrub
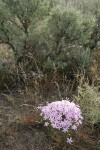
<point>89,100</point>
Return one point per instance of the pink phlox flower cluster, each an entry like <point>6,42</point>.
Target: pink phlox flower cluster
<point>62,115</point>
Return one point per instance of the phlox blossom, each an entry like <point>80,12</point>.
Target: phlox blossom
<point>69,140</point>
<point>62,115</point>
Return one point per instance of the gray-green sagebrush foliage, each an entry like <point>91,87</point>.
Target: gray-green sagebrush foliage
<point>19,20</point>
<point>89,100</point>
<point>70,33</point>
<point>20,23</point>
<point>53,34</point>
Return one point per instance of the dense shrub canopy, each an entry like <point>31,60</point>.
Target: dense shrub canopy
<point>51,34</point>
